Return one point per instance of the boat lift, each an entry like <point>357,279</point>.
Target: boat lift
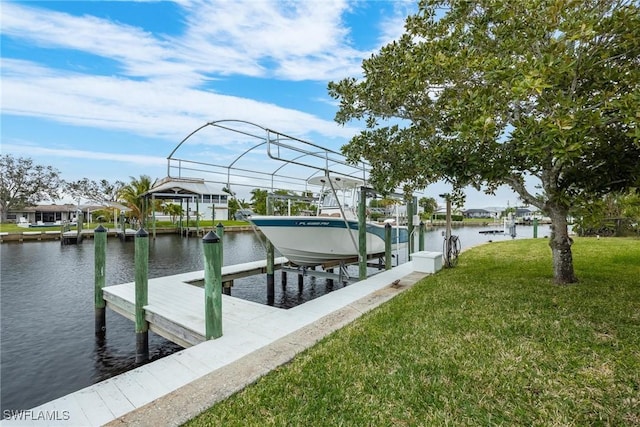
<point>290,162</point>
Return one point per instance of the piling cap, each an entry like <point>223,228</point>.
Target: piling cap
<point>220,225</point>
<point>211,237</point>
<point>100,229</point>
<point>142,233</point>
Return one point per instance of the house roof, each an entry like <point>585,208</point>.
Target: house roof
<point>168,188</point>
<point>104,205</point>
<point>48,208</point>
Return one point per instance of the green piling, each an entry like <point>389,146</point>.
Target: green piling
<point>79,224</point>
<point>270,261</point>
<point>142,296</point>
<point>100,250</point>
<point>410,227</point>
<point>535,228</point>
<point>362,235</point>
<point>387,246</point>
<point>421,236</point>
<point>212,285</point>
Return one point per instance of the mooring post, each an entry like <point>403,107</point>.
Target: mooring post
<point>535,228</point>
<point>270,260</point>
<point>79,227</point>
<point>212,285</point>
<point>100,250</point>
<point>410,227</point>
<point>387,246</point>
<point>421,237</point>
<point>142,297</point>
<point>362,235</point>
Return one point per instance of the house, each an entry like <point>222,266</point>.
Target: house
<point>51,214</point>
<point>197,197</point>
<point>477,213</point>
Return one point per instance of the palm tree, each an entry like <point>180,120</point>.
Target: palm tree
<point>132,195</point>
<point>259,201</point>
<point>173,210</point>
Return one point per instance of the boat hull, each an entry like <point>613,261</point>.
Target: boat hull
<point>311,241</point>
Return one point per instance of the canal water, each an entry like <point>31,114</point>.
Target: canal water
<point>47,343</point>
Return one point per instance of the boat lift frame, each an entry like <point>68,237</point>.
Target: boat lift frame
<point>299,157</point>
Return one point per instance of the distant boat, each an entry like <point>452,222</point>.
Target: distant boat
<point>330,236</point>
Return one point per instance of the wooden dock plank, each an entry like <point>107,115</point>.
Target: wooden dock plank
<point>175,308</point>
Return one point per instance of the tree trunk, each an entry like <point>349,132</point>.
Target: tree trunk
<point>560,244</point>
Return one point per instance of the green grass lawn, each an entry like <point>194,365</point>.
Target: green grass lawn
<point>490,342</point>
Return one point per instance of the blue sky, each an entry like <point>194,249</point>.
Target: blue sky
<point>106,90</point>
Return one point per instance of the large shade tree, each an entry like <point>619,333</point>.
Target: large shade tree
<point>493,92</point>
<point>25,183</point>
<point>94,191</point>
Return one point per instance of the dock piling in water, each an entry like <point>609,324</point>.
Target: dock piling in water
<point>270,261</point>
<point>142,295</point>
<point>100,249</point>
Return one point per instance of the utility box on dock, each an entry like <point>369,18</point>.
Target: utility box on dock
<point>426,262</point>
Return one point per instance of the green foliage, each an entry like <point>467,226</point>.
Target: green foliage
<point>102,215</point>
<point>484,92</point>
<point>429,206</point>
<point>259,201</point>
<point>93,191</point>
<point>486,343</point>
<point>616,214</point>
<point>234,206</point>
<point>132,195</point>
<point>495,89</point>
<point>443,217</point>
<point>23,183</point>
<point>173,210</point>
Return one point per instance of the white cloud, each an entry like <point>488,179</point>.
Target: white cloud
<point>33,150</point>
<point>150,108</point>
<point>159,89</point>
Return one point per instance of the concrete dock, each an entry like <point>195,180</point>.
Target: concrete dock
<point>256,339</point>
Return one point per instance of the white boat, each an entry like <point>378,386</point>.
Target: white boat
<point>330,236</point>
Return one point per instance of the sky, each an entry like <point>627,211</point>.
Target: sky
<point>109,89</point>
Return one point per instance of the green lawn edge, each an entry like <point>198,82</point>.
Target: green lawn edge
<point>490,342</point>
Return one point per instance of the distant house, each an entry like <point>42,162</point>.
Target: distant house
<point>477,213</point>
<point>197,197</point>
<point>492,213</point>
<point>43,214</point>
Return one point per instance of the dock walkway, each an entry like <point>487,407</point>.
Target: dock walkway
<point>176,306</point>
<point>143,395</point>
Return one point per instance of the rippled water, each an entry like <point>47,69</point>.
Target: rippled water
<point>48,347</point>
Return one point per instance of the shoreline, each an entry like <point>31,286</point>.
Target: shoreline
<point>37,236</point>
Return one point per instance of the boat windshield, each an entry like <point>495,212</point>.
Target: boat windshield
<point>329,201</point>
